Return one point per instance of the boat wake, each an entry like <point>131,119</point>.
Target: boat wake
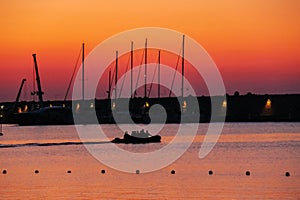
<point>50,144</point>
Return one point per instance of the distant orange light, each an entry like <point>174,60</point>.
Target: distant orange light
<point>184,104</point>
<point>268,104</point>
<point>25,108</point>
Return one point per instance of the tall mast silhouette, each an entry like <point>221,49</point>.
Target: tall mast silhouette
<point>182,69</point>
<point>131,68</point>
<point>145,75</point>
<point>158,75</point>
<point>82,72</point>
<point>116,77</point>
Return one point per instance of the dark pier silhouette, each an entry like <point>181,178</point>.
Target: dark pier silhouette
<point>239,108</point>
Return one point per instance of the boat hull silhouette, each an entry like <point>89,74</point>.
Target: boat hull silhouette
<point>128,139</point>
<point>46,116</point>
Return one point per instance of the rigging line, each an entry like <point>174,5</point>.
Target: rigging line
<point>124,77</point>
<point>153,78</point>
<point>73,75</point>
<point>139,73</point>
<point>178,58</point>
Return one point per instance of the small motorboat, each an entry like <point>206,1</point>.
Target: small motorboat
<point>138,137</point>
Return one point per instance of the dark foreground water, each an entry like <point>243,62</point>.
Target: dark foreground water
<point>266,150</point>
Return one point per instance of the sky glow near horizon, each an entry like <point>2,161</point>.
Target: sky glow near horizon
<point>255,44</point>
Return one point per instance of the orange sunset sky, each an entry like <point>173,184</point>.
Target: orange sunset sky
<point>255,44</point>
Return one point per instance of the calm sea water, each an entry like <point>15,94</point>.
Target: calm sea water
<point>266,150</point>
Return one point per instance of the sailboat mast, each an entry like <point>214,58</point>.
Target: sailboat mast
<point>131,68</point>
<point>182,69</point>
<point>82,72</point>
<point>145,75</point>
<point>116,77</point>
<point>158,75</point>
<point>109,85</point>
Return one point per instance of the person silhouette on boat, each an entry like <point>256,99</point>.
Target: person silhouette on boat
<point>144,134</point>
<point>126,135</point>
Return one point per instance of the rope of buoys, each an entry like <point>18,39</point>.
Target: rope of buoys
<point>103,171</point>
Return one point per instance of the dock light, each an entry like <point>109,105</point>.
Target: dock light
<point>114,105</point>
<point>50,105</point>
<point>19,110</point>
<point>25,108</point>
<point>92,105</point>
<point>268,104</point>
<point>1,116</point>
<point>2,107</point>
<point>77,107</point>
<point>146,105</point>
<point>64,105</point>
<point>224,104</point>
<point>268,111</point>
<point>184,105</point>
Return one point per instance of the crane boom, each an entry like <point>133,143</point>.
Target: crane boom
<point>20,90</point>
<point>39,92</point>
<point>19,94</point>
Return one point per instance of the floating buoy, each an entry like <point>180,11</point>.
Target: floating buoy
<point>36,171</point>
<point>247,173</point>
<point>210,172</point>
<point>4,171</point>
<point>69,171</point>
<point>287,174</point>
<point>173,171</point>
<point>137,171</point>
<point>102,171</point>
